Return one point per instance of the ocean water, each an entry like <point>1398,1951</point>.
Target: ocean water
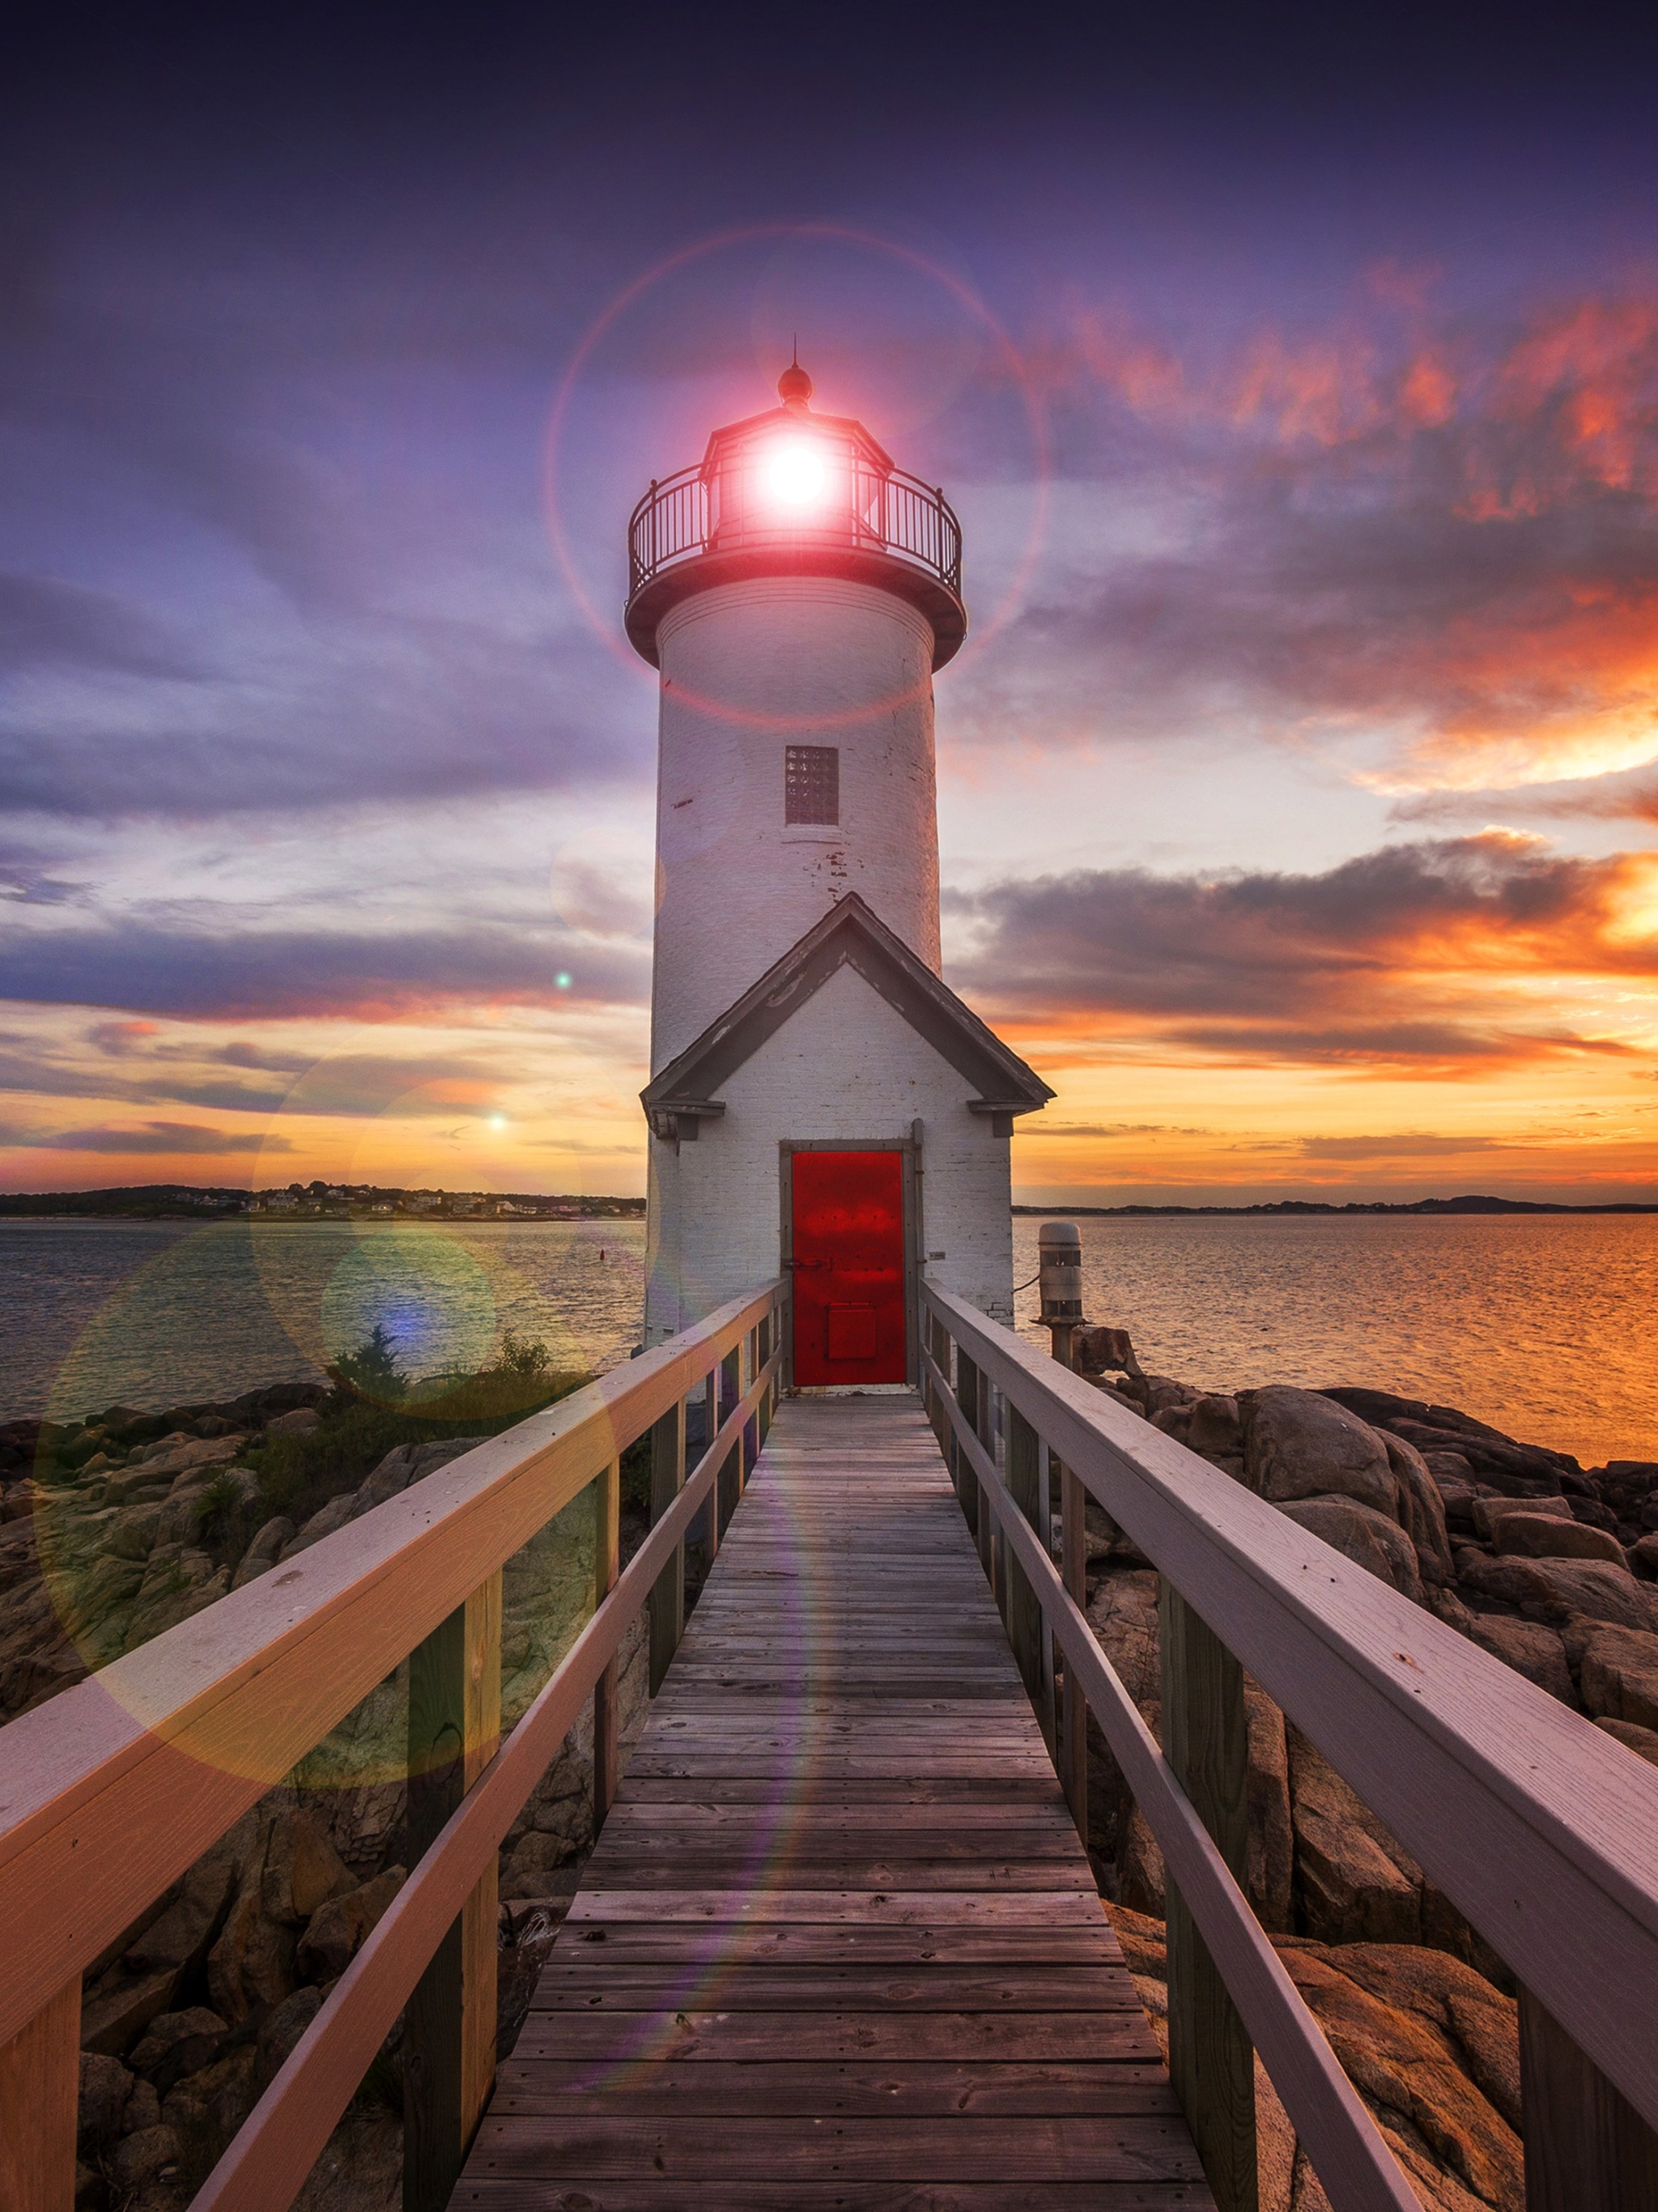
<point>154,1314</point>
<point>1544,1325</point>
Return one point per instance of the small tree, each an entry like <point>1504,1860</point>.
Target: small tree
<point>371,1370</point>
<point>523,1358</point>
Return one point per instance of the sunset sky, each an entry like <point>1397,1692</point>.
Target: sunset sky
<point>1297,388</point>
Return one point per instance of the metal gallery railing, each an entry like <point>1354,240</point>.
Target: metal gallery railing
<point>109,1793</point>
<point>1542,1831</point>
<point>726,510</point>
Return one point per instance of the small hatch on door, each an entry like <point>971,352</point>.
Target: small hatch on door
<point>852,1332</point>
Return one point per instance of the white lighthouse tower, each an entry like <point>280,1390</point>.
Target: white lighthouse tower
<point>819,1099</point>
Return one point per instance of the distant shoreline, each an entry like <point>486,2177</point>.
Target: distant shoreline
<point>185,1202</point>
<point>1458,1209</point>
<point>226,1203</point>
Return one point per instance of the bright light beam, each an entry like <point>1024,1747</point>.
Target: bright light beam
<point>796,474</point>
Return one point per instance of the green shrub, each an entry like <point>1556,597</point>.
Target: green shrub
<point>298,1475</point>
<point>371,1370</point>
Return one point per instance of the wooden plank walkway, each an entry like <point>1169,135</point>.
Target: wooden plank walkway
<point>838,1945</point>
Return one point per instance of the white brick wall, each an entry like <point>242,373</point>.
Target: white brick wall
<point>847,1065</point>
<point>746,669</point>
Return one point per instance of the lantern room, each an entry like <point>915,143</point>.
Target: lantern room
<point>792,492</point>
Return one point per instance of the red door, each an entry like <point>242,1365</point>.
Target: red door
<point>849,1215</point>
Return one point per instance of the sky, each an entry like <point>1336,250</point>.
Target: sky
<point>1294,377</point>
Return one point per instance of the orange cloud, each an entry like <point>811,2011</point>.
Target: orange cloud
<point>1447,958</point>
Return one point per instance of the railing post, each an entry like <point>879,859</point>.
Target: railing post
<point>1024,1615</point>
<point>1587,2148</point>
<point>762,1415</point>
<point>1205,1740</point>
<point>39,2089</point>
<point>751,1368</point>
<point>992,1543</point>
<point>449,2032</point>
<point>711,1504</point>
<point>968,1393</point>
<point>607,1565</point>
<point>668,1596</point>
<point>1074,1711</point>
<point>728,1483</point>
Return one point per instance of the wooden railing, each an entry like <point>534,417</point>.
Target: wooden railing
<point>1542,1832</point>
<point>111,1791</point>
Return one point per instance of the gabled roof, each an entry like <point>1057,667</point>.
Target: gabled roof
<point>849,935</point>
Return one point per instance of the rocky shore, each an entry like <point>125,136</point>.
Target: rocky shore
<point>1551,1567</point>
<point>113,1529</point>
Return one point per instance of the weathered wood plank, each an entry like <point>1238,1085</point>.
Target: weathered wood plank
<point>748,1987</point>
<point>800,1943</point>
<point>686,2035</point>
<point>518,2194</point>
<point>805,1873</point>
<point>965,1791</point>
<point>696,1816</point>
<point>957,2148</point>
<point>790,2088</point>
<point>839,1930</point>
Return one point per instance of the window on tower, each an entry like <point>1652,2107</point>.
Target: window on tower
<point>811,784</point>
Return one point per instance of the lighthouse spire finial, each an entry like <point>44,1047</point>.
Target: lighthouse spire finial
<point>794,386</point>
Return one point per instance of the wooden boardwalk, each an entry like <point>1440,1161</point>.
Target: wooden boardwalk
<point>838,1946</point>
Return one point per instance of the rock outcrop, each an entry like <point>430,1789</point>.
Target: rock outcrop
<point>110,1533</point>
<point>1430,2046</point>
<point>1548,1567</point>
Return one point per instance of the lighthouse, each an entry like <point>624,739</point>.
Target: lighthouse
<point>820,1100</point>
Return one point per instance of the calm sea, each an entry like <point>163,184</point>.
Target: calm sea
<point>1542,1324</point>
<point>154,1314</point>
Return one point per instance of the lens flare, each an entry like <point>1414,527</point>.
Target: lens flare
<point>797,475</point>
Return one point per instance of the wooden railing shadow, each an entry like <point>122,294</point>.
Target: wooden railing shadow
<point>111,1791</point>
<point>1542,1832</point>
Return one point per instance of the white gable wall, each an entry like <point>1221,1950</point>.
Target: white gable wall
<point>846,1067</point>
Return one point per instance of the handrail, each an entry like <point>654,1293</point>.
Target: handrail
<point>1538,1829</point>
<point>1326,2110</point>
<point>117,1787</point>
<point>267,2162</point>
<point>113,1790</point>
